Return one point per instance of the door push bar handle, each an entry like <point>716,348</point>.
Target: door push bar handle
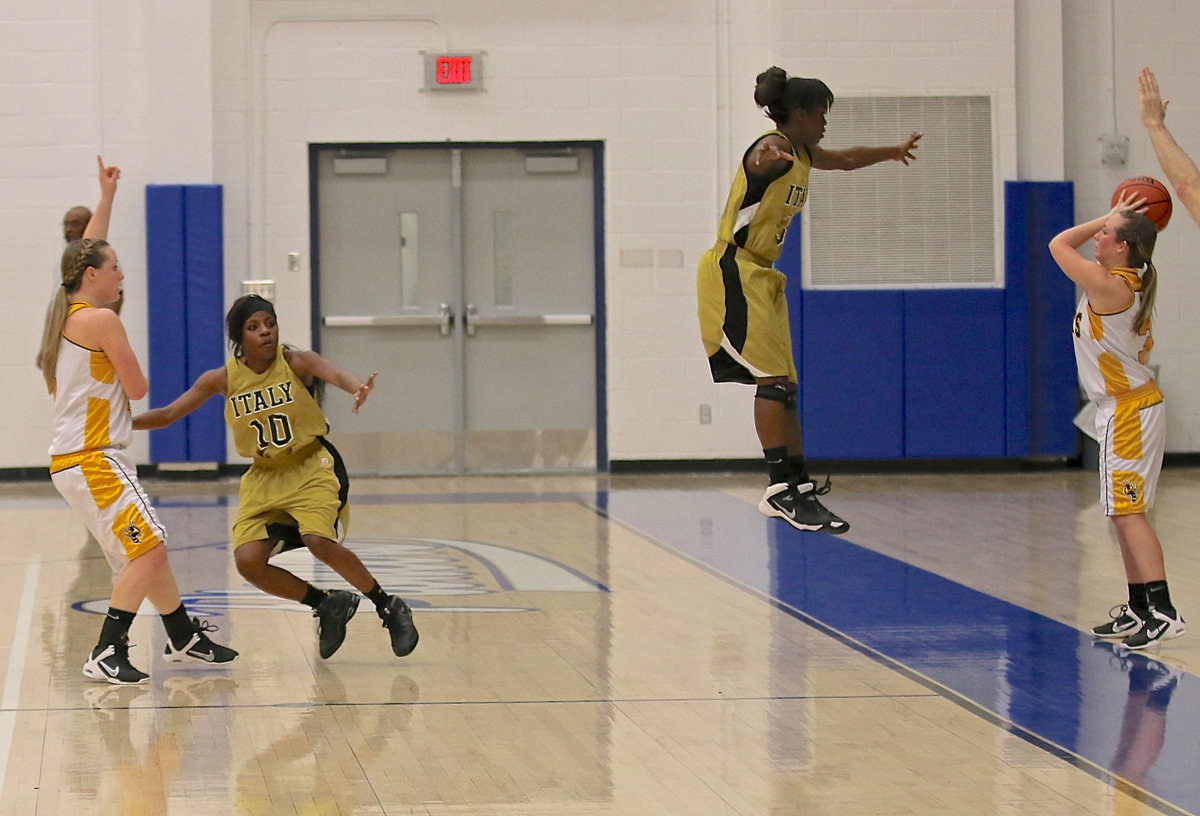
<point>472,319</point>
<point>444,319</point>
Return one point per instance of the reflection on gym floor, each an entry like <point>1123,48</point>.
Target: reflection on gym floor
<point>622,645</point>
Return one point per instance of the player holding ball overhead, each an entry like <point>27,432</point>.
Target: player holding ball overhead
<point>1112,345</point>
<point>742,311</point>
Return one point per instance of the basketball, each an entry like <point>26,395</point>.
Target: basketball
<point>1157,204</point>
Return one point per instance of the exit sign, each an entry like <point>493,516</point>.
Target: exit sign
<point>454,71</point>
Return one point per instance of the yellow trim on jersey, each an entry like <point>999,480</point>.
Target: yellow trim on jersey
<point>1115,379</point>
<point>95,429</point>
<point>102,368</point>
<point>1095,324</point>
<point>1132,277</point>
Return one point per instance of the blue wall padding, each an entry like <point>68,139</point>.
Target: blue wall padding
<point>167,314</point>
<point>954,373</point>
<point>185,285</point>
<point>851,349</point>
<point>1042,383</point>
<point>949,373</point>
<point>205,275</point>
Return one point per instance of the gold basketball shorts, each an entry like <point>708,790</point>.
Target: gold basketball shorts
<point>310,490</point>
<point>743,317</point>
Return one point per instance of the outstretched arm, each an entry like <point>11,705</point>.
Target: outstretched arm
<point>213,381</point>
<point>852,158</point>
<point>311,364</point>
<point>1180,169</point>
<point>98,226</point>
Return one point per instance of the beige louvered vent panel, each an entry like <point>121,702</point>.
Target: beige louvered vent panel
<point>929,225</point>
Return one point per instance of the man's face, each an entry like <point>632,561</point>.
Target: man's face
<point>74,223</point>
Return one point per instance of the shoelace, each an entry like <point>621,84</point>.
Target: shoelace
<point>1118,611</point>
<point>811,495</point>
<point>203,626</point>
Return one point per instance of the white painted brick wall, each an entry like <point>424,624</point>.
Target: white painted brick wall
<point>639,76</point>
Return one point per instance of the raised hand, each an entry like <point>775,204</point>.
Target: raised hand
<point>109,174</point>
<point>906,149</point>
<point>1151,105</point>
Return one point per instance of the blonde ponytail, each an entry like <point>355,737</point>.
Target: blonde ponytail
<point>56,315</point>
<point>1141,235</point>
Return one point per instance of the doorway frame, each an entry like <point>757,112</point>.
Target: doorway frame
<point>315,149</point>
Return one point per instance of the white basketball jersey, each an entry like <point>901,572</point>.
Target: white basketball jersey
<point>91,411</point>
<point>1111,355</point>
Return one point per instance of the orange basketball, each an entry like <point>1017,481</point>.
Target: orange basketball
<point>1156,207</point>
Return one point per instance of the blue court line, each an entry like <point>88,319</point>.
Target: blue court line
<point>1060,685</point>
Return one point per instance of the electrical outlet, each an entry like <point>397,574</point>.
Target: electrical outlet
<point>705,414</point>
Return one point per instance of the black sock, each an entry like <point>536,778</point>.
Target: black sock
<point>799,468</point>
<point>116,626</point>
<point>1138,601</point>
<point>313,596</point>
<point>378,596</point>
<point>778,468</point>
<point>179,627</point>
<point>1159,597</point>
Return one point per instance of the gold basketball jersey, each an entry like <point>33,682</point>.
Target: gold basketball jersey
<point>91,411</point>
<point>271,414</point>
<point>758,211</point>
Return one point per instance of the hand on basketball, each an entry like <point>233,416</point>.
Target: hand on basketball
<point>360,396</point>
<point>1151,105</point>
<point>1128,200</point>
<point>906,150</point>
<point>108,177</point>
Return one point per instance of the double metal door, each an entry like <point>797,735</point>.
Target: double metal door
<point>468,277</point>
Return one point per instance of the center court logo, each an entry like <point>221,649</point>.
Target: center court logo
<point>431,574</point>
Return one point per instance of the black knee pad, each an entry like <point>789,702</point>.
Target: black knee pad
<point>777,392</point>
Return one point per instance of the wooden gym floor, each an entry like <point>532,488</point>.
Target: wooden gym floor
<point>624,645</point>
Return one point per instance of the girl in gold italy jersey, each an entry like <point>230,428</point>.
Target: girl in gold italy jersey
<point>295,492</point>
